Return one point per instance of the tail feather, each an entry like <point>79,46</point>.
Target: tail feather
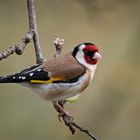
<point>8,79</point>
<point>17,77</point>
<point>35,72</point>
<point>1,80</point>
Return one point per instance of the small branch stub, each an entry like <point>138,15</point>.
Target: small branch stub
<point>59,44</point>
<point>21,45</point>
<point>18,48</point>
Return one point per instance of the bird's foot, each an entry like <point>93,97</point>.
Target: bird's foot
<point>59,106</point>
<point>64,115</point>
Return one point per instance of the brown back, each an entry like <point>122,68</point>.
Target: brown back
<point>65,66</point>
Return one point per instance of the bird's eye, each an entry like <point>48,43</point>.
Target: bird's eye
<point>88,53</point>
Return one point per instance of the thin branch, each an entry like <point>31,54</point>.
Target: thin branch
<point>69,122</point>
<point>59,106</point>
<point>18,48</point>
<point>32,34</point>
<point>83,130</point>
<point>33,26</point>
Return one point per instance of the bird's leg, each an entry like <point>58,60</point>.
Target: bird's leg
<point>59,106</point>
<point>65,115</point>
<point>62,103</point>
<point>65,112</point>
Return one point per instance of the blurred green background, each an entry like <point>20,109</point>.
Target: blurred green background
<point>110,107</point>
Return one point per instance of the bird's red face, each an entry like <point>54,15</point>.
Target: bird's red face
<point>87,54</point>
<point>91,54</point>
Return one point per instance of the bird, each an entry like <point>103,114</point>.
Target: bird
<point>61,78</point>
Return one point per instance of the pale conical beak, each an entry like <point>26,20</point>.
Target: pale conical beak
<point>97,56</point>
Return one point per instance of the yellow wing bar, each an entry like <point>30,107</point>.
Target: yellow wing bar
<point>51,80</point>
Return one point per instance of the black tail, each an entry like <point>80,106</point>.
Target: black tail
<point>1,80</point>
<point>4,80</point>
<point>35,72</point>
<point>17,77</point>
<point>9,79</point>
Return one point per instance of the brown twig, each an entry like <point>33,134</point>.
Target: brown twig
<point>32,34</point>
<point>18,48</point>
<point>83,130</point>
<point>59,106</point>
<point>33,26</point>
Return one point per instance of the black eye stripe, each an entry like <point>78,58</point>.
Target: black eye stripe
<point>76,49</point>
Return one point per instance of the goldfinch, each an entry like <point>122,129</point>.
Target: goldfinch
<point>61,78</point>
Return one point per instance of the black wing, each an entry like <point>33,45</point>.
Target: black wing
<point>35,72</point>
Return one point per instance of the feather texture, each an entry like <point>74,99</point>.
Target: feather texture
<point>65,66</point>
<point>61,69</point>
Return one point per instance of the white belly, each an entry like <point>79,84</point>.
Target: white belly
<point>59,91</point>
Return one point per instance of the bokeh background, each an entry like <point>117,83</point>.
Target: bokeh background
<point>110,107</point>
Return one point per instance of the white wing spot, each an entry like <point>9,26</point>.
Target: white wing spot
<point>14,77</point>
<point>31,74</point>
<point>23,78</point>
<point>39,70</point>
<point>19,77</point>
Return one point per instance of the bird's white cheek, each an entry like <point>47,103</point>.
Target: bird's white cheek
<point>92,71</point>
